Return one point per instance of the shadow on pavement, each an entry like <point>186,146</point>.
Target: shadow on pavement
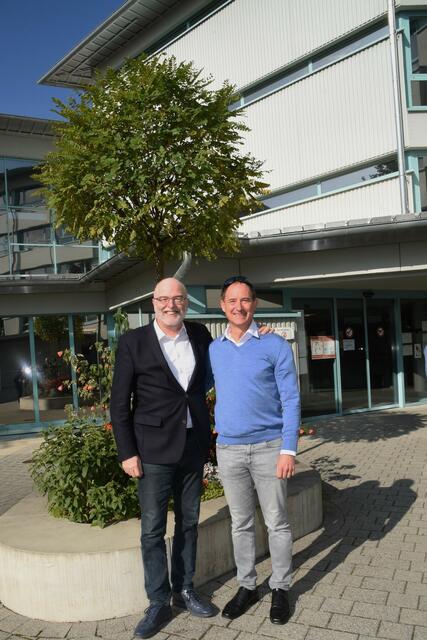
<point>353,516</point>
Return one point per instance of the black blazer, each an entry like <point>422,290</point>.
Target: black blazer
<point>148,405</point>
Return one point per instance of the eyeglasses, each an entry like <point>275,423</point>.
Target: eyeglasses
<point>175,299</point>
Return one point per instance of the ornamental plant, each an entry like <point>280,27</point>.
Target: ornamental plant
<point>76,467</point>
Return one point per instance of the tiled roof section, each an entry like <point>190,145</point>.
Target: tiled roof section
<point>25,125</point>
<point>130,21</point>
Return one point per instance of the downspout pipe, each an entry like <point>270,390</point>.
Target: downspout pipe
<point>398,110</point>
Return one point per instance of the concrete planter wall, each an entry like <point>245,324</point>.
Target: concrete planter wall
<point>57,570</point>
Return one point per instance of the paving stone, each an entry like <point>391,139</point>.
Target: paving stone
<point>4,612</point>
<point>394,631</point>
<point>329,634</point>
<point>12,622</point>
<point>308,601</point>
<point>337,605</point>
<point>408,600</point>
<point>82,629</point>
<point>31,628</point>
<point>110,628</point>
<point>394,586</point>
<point>420,633</point>
<point>55,630</point>
<point>375,611</point>
<point>4,635</point>
<point>246,623</point>
<point>314,618</point>
<point>422,604</point>
<point>409,576</point>
<point>194,628</point>
<point>347,580</point>
<point>419,589</point>
<point>365,595</point>
<point>225,634</point>
<point>353,624</point>
<point>329,590</point>
<point>409,616</point>
<point>374,572</point>
<point>290,631</point>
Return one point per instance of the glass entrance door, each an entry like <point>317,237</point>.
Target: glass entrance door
<point>382,352</point>
<point>367,353</point>
<point>353,354</point>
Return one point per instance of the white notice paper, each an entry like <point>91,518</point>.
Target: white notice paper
<point>407,349</point>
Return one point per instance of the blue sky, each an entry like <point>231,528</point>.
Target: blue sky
<point>35,35</point>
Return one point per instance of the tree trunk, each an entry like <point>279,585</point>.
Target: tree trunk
<point>159,265</point>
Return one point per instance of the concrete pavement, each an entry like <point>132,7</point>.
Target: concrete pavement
<point>363,576</point>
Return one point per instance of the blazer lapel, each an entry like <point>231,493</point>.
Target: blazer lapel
<point>196,350</point>
<point>158,354</point>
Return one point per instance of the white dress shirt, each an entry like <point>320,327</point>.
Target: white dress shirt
<point>252,331</point>
<point>179,356</point>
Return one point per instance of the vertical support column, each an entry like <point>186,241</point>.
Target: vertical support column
<point>337,363</point>
<point>53,241</point>
<point>399,355</point>
<point>412,162</point>
<point>73,353</point>
<point>111,329</point>
<point>34,369</point>
<point>367,364</point>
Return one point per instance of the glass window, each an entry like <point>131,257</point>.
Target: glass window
<point>22,189</point>
<point>275,83</point>
<point>363,41</point>
<point>419,93</point>
<point>288,197</point>
<point>418,28</point>
<point>51,339</point>
<point>414,347</point>
<point>359,175</point>
<point>270,299</point>
<point>16,385</point>
<point>316,357</point>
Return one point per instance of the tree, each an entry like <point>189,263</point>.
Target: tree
<point>149,158</point>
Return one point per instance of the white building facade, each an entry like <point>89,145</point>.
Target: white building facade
<point>339,252</point>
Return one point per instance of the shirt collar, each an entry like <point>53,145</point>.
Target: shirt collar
<point>252,330</point>
<point>161,335</point>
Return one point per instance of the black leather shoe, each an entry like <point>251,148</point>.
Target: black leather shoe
<point>280,611</point>
<point>241,602</point>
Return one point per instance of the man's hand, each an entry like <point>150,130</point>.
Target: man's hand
<point>263,329</point>
<point>133,467</point>
<point>285,466</point>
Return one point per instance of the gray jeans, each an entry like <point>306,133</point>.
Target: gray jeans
<point>244,468</point>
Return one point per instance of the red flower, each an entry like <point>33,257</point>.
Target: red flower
<point>108,426</point>
<point>205,482</point>
<point>61,387</point>
<point>302,431</point>
<point>59,354</point>
<point>311,432</point>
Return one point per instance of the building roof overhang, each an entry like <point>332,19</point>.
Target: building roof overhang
<point>129,30</point>
<point>24,125</point>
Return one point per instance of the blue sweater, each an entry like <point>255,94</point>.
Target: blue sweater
<point>257,396</point>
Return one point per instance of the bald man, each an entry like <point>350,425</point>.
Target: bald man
<point>161,426</point>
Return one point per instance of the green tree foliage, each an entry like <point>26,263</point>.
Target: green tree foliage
<point>149,158</point>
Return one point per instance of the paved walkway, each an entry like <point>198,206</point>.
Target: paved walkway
<point>363,576</point>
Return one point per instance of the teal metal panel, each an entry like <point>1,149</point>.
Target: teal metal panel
<point>34,369</point>
<point>337,363</point>
<point>367,364</point>
<point>412,165</point>
<point>399,355</point>
<point>73,352</point>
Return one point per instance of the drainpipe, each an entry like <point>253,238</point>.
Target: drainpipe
<point>398,111</point>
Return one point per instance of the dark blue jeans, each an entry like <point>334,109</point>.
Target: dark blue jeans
<point>183,481</point>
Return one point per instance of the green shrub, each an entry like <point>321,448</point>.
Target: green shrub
<point>76,467</point>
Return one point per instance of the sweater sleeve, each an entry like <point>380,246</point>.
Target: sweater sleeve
<point>287,384</point>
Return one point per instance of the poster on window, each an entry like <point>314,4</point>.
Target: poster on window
<point>322,347</point>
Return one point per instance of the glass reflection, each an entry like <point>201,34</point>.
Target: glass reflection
<point>16,387</point>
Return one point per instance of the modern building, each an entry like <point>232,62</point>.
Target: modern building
<point>336,101</point>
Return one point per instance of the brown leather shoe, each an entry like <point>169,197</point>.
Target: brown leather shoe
<point>280,611</point>
<point>240,603</point>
